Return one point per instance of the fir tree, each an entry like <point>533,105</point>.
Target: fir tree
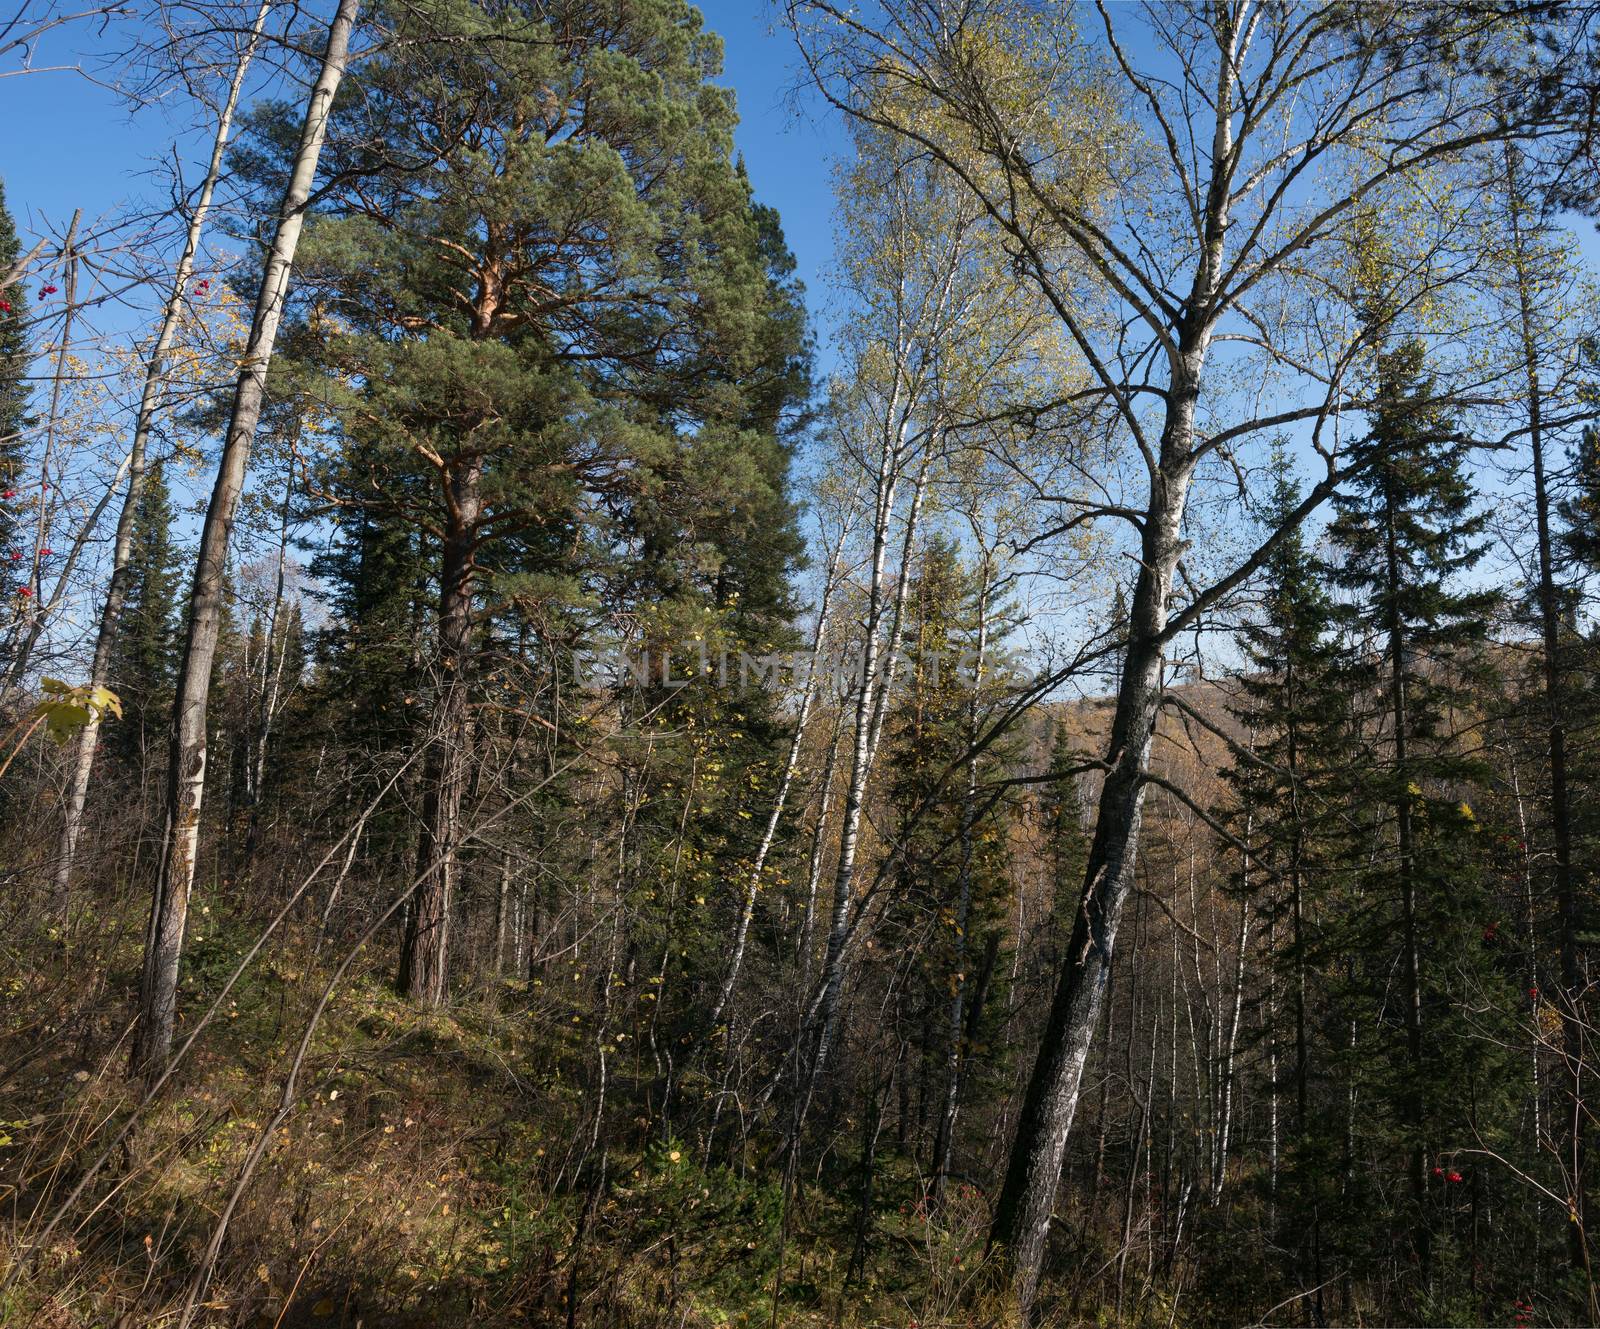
<point>1292,705</point>
<point>14,420</point>
<point>145,660</point>
<point>1409,535</point>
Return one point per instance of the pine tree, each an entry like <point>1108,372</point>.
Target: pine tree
<point>558,417</point>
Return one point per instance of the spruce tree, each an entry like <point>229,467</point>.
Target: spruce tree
<point>373,574</point>
<point>1292,705</point>
<point>145,659</point>
<point>1409,536</point>
<point>1066,844</point>
<point>952,839</point>
<point>14,422</point>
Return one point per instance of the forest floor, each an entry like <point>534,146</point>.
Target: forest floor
<point>434,1168</point>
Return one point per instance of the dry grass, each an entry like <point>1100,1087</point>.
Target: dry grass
<point>435,1170</point>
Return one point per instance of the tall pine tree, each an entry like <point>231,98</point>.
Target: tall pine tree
<point>559,355</point>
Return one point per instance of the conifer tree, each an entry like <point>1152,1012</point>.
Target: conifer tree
<point>1409,536</point>
<point>1061,817</point>
<point>145,659</point>
<point>549,344</point>
<point>952,844</point>
<point>373,574</point>
<point>14,418</point>
<point>1292,705</point>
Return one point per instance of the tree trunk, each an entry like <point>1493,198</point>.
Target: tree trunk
<point>791,764</point>
<point>1027,1199</point>
<point>870,708</point>
<point>1225,1126</point>
<point>504,907</point>
<point>954,1032</point>
<point>425,954</point>
<point>819,835</point>
<point>36,611</point>
<point>1575,1146</point>
<point>271,690</point>
<point>1411,960</point>
<point>186,773</point>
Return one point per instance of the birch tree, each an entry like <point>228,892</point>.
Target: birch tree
<point>186,777</point>
<point>1538,288</point>
<point>948,341</point>
<point>1261,129</point>
<point>150,400</point>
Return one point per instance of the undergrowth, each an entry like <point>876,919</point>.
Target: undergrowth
<point>434,1168</point>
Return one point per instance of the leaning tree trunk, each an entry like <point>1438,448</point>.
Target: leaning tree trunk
<point>791,765</point>
<point>870,709</point>
<point>39,611</point>
<point>186,769</point>
<point>149,399</point>
<point>1027,1199</point>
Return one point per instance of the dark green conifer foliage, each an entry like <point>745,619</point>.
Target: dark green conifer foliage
<point>571,352</point>
<point>145,660</point>
<point>1293,708</point>
<point>14,421</point>
<point>1066,842</point>
<point>1410,537</point>
<point>949,909</point>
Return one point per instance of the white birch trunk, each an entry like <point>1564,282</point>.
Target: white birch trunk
<point>186,776</point>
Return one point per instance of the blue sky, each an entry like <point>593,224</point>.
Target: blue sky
<point>71,143</point>
<point>788,141</point>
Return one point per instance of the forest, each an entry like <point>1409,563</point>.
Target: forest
<point>596,734</point>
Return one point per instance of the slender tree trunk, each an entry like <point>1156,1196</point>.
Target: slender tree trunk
<point>1575,1145</point>
<point>1141,1135</point>
<point>955,1045</point>
<point>275,652</point>
<point>1270,1015</point>
<point>149,400</point>
<point>186,776</point>
<point>504,907</point>
<point>1411,960</point>
<point>819,837</point>
<point>871,1129</point>
<point>870,708</point>
<point>425,953</point>
<point>36,611</point>
<point>1297,940</point>
<point>790,766</point>
<point>1225,1126</point>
